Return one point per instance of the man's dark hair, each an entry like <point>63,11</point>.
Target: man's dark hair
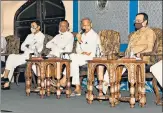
<point>66,22</point>
<point>145,16</point>
<point>37,22</point>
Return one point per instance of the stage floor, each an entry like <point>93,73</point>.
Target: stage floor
<point>16,101</point>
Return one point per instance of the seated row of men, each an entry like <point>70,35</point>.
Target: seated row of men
<point>141,41</point>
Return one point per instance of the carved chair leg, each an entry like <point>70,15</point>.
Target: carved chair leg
<point>158,100</point>
<point>137,85</point>
<point>17,78</point>
<point>81,79</point>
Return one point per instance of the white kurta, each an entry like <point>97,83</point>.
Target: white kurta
<point>156,70</point>
<point>61,43</point>
<point>3,47</point>
<point>15,60</point>
<point>89,44</point>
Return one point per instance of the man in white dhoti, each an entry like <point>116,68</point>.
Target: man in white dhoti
<point>32,42</point>
<point>86,48</point>
<point>156,70</point>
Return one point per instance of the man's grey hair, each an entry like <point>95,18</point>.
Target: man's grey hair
<point>86,18</point>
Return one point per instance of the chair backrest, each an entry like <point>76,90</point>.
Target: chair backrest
<point>45,50</point>
<point>75,42</point>
<point>158,43</point>
<point>110,41</point>
<point>13,44</point>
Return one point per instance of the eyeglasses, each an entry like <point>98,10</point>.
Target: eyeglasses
<point>138,21</point>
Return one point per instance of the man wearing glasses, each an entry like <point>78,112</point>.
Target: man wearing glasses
<point>32,42</point>
<point>141,41</point>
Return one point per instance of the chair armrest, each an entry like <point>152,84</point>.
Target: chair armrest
<point>151,54</point>
<point>148,54</point>
<point>5,54</point>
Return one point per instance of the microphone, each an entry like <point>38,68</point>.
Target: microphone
<point>82,31</point>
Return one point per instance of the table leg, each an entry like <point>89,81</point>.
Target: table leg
<point>39,76</point>
<point>112,85</point>
<point>119,81</point>
<point>117,84</point>
<point>132,98</point>
<point>28,75</point>
<point>59,67</point>
<point>131,76</point>
<point>42,90</point>
<point>143,96</point>
<point>89,95</point>
<point>68,90</point>
<point>48,81</point>
<point>138,85</point>
<point>100,72</point>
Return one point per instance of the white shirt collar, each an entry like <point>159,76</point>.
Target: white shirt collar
<point>90,32</point>
<point>62,33</point>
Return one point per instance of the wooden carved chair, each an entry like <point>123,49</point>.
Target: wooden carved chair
<point>12,47</point>
<point>45,51</point>
<point>155,56</point>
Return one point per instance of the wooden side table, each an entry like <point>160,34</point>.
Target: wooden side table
<point>43,64</point>
<point>92,64</point>
<point>136,76</point>
<point>133,66</point>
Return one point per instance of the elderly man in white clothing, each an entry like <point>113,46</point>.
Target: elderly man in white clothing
<point>86,48</point>
<point>32,42</point>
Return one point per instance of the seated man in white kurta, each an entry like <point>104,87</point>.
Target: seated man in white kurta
<point>33,41</point>
<point>86,48</point>
<point>63,42</point>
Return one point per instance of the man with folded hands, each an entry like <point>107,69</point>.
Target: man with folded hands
<point>32,42</point>
<point>63,42</point>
